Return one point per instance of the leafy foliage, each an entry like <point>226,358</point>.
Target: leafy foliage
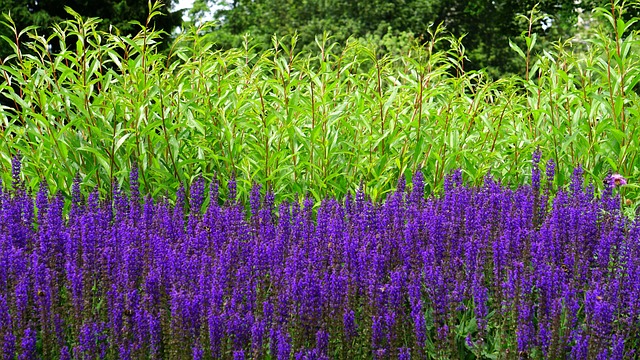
<point>316,122</point>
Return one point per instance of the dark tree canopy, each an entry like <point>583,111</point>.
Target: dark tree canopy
<point>487,25</point>
<point>117,13</point>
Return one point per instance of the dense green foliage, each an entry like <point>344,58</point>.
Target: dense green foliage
<point>319,122</point>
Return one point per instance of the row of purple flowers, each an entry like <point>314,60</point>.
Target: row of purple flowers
<point>478,271</point>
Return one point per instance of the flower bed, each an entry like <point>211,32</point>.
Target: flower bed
<point>486,271</point>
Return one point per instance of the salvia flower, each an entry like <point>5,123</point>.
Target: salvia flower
<point>238,355</point>
<point>28,345</point>
<point>535,172</point>
<point>306,280</point>
<point>16,164</point>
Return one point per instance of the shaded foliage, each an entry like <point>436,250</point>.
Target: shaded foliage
<point>486,25</point>
<point>120,15</point>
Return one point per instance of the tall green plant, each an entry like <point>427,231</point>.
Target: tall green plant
<point>320,122</point>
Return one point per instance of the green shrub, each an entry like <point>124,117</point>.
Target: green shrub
<point>318,122</point>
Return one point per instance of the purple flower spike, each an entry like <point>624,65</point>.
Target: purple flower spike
<point>551,170</point>
<point>232,189</point>
<point>65,354</point>
<point>198,353</point>
<point>284,345</point>
<point>238,355</point>
<point>535,171</point>
<point>350,327</point>
<point>134,184</point>
<point>16,165</point>
<point>404,353</point>
<point>28,345</point>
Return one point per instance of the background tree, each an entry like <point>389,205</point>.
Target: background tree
<point>487,25</point>
<point>118,14</point>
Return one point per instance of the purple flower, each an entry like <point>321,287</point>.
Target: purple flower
<point>230,281</point>
<point>134,184</point>
<point>88,341</point>
<point>9,346</point>
<point>322,342</point>
<point>254,200</point>
<point>284,345</point>
<point>5,316</point>
<point>402,183</point>
<point>617,352</point>
<point>616,180</point>
<point>480,298</point>
<point>257,335</point>
<point>577,181</point>
<point>65,354</point>
<point>580,350</point>
<point>551,171</point>
<point>16,164</point>
<point>232,186</point>
<point>214,188</point>
<point>238,355</point>
<point>380,354</point>
<point>154,335</point>
<point>198,352</point>
<point>404,353</point>
<point>349,321</point>
<point>216,333</point>
<point>197,195</point>
<point>535,171</point>
<point>28,345</point>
